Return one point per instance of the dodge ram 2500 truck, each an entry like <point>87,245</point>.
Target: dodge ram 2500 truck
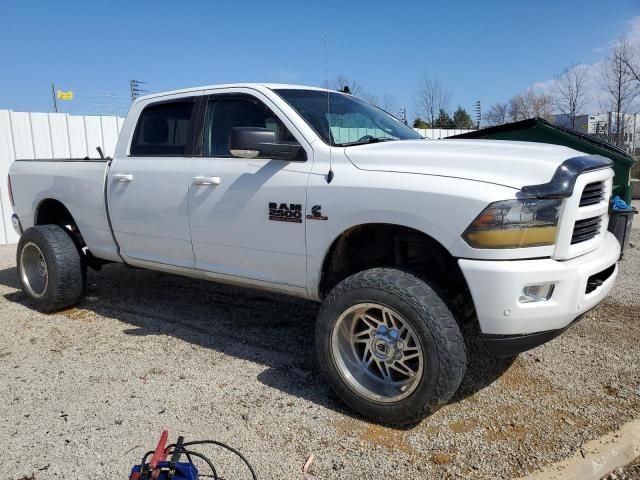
<point>409,244</point>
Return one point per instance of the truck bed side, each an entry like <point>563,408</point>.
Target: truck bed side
<point>78,185</point>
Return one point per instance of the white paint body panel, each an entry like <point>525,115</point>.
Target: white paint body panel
<point>230,228</point>
<point>163,221</point>
<point>157,193</point>
<point>77,185</point>
<point>501,162</point>
<point>231,232</point>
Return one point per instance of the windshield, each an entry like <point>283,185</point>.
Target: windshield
<point>342,120</point>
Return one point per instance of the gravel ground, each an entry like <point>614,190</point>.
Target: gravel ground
<point>88,390</point>
<point>629,472</point>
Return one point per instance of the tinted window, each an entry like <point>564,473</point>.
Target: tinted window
<point>344,120</point>
<point>225,113</point>
<point>163,129</point>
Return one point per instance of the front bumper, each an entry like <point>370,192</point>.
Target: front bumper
<point>510,345</point>
<point>496,287</point>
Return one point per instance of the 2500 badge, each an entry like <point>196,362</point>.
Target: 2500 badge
<point>284,212</point>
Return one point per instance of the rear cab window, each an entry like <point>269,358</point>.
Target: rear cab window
<point>165,129</point>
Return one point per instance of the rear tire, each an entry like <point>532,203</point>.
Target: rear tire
<point>389,346</point>
<point>51,269</point>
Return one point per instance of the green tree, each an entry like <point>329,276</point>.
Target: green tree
<point>419,123</point>
<point>444,120</point>
<point>461,119</point>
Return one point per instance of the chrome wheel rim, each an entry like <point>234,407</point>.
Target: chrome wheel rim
<point>34,271</point>
<point>377,352</point>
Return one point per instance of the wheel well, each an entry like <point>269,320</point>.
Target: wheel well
<point>53,212</point>
<point>387,245</point>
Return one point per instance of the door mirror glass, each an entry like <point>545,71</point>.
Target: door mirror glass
<point>257,142</point>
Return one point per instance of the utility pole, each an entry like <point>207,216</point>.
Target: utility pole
<point>478,114</point>
<point>633,138</point>
<point>403,115</point>
<point>53,96</point>
<point>135,88</point>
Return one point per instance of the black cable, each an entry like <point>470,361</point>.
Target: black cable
<point>143,464</point>
<point>208,462</point>
<point>173,445</point>
<point>188,454</point>
<point>151,452</point>
<point>222,445</point>
<point>146,455</point>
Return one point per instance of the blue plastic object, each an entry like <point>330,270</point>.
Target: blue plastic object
<point>184,471</point>
<point>619,204</point>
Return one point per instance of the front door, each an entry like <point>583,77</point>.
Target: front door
<point>247,215</point>
<point>149,188</point>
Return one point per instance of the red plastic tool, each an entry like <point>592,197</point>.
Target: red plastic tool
<point>159,455</point>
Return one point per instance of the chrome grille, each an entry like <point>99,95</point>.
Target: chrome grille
<point>586,229</point>
<point>592,194</point>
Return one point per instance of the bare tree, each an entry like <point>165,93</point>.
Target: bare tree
<point>431,98</point>
<point>369,97</point>
<point>390,105</point>
<point>633,66</point>
<point>530,104</point>
<point>498,114</point>
<point>571,92</point>
<point>341,81</point>
<point>520,107</point>
<point>621,88</point>
<point>543,106</point>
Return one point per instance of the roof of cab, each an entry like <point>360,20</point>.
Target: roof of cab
<point>270,86</point>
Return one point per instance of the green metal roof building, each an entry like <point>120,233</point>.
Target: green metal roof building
<point>541,131</point>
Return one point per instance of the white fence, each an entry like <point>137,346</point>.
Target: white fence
<point>48,135</point>
<point>437,133</point>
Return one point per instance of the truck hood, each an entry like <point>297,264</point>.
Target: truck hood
<point>512,164</point>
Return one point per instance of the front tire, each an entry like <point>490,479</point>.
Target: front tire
<point>389,346</point>
<point>50,268</point>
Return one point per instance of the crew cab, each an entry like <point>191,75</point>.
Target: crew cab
<point>412,246</point>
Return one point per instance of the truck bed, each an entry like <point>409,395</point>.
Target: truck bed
<point>77,183</point>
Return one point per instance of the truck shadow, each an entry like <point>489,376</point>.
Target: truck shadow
<point>270,329</point>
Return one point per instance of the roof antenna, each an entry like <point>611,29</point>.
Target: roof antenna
<point>326,68</point>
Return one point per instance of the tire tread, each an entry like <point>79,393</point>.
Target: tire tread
<point>421,297</point>
<point>64,263</point>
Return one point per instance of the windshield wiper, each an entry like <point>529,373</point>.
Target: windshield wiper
<point>365,142</point>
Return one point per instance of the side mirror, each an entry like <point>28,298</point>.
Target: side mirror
<point>256,142</point>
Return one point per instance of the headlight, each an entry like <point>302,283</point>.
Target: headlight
<point>515,224</point>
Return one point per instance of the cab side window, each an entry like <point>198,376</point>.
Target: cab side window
<point>225,113</point>
<point>164,129</point>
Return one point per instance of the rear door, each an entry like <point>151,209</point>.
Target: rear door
<point>249,221</point>
<point>149,186</point>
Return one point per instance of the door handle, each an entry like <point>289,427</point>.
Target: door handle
<point>206,180</point>
<point>122,177</point>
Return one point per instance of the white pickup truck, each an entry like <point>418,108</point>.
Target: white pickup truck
<point>409,244</point>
